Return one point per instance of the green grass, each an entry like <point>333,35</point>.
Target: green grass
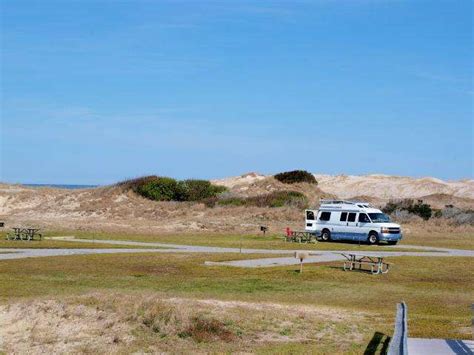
<point>437,237</point>
<point>438,291</point>
<point>59,244</point>
<point>232,241</point>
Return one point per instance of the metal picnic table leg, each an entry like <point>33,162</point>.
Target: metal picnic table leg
<point>379,268</point>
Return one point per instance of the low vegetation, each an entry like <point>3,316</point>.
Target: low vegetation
<point>436,290</point>
<point>274,199</point>
<point>158,303</point>
<point>407,210</point>
<point>419,208</point>
<point>295,176</point>
<point>456,215</point>
<point>59,244</point>
<point>160,188</point>
<point>144,322</point>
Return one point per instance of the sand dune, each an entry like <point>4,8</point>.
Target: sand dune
<point>376,188</point>
<point>389,187</point>
<point>113,208</point>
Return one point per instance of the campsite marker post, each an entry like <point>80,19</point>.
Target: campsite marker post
<point>301,255</point>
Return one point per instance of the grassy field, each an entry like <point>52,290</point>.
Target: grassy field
<point>457,238</point>
<point>59,244</point>
<point>271,241</point>
<point>438,291</point>
<point>164,302</point>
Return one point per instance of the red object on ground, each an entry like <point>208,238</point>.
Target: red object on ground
<point>288,231</point>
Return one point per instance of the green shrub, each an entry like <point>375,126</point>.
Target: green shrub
<point>198,190</point>
<point>420,209</point>
<point>161,189</point>
<point>167,189</point>
<point>291,177</point>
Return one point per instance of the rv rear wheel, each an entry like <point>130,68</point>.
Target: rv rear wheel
<point>373,238</point>
<point>326,235</point>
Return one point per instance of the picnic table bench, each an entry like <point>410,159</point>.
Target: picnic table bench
<point>357,261</point>
<point>24,234</point>
<point>300,237</point>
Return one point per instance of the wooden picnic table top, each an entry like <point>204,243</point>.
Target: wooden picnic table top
<point>376,263</point>
<point>360,257</point>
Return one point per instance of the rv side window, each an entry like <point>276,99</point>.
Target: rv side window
<point>363,218</point>
<point>325,216</point>
<point>352,217</point>
<point>343,216</point>
<point>310,215</point>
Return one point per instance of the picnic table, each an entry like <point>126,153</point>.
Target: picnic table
<point>356,261</point>
<point>300,237</point>
<point>20,233</point>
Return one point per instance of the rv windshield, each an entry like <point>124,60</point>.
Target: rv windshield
<point>379,217</point>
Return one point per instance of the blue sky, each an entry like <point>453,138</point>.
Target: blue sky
<point>97,91</point>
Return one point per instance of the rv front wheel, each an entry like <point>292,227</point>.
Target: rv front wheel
<point>326,235</point>
<point>373,238</point>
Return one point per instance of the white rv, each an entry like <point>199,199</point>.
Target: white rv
<point>356,221</point>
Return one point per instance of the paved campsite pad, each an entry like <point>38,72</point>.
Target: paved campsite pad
<point>419,346</point>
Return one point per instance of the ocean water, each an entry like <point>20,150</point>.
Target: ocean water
<point>63,186</point>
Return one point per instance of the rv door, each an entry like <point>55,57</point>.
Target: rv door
<point>352,226</point>
<point>311,220</point>
<point>364,226</point>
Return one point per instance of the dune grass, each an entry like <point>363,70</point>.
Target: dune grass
<point>140,322</point>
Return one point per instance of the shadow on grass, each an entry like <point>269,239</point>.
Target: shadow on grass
<point>340,268</point>
<point>357,242</point>
<point>378,344</point>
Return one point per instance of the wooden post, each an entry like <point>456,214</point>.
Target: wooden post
<point>301,256</point>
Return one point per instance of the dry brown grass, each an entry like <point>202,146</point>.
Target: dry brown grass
<point>121,323</point>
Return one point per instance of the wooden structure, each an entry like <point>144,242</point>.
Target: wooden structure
<point>357,262</point>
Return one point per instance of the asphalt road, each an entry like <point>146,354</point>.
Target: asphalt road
<point>286,257</point>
